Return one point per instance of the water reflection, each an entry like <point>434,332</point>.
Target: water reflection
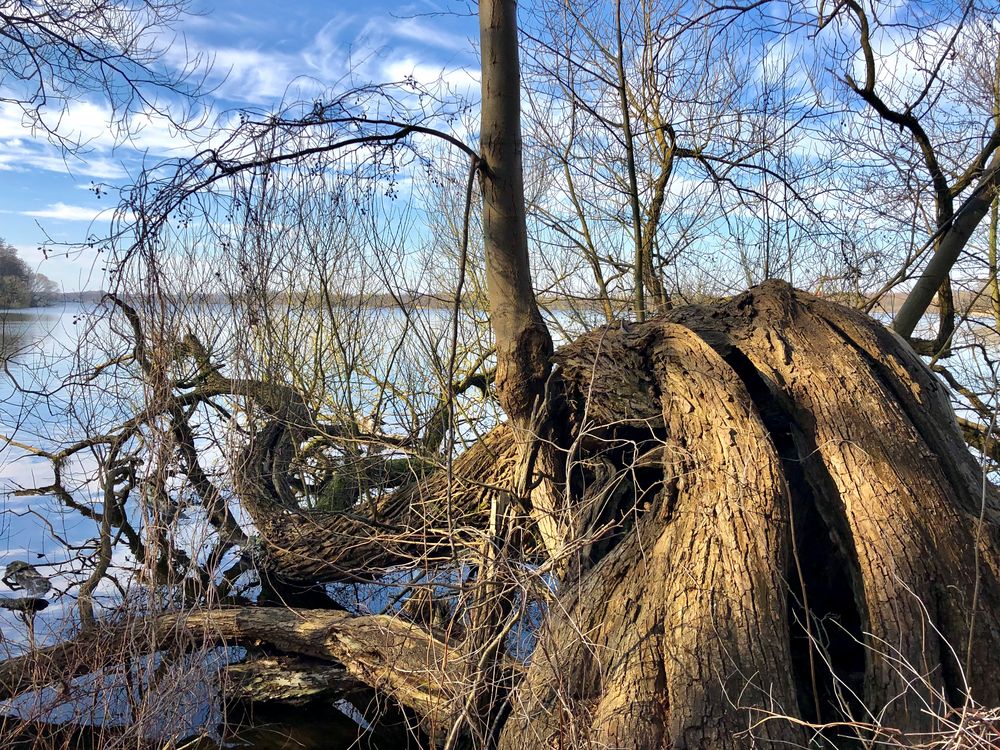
<point>25,333</point>
<point>17,331</point>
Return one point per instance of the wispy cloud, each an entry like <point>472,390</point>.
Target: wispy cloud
<point>345,48</point>
<point>461,82</point>
<point>253,76</point>
<point>21,157</point>
<point>417,30</point>
<point>101,151</point>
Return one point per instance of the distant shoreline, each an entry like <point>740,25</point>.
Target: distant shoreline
<point>964,300</point>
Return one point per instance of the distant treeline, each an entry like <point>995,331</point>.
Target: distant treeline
<point>976,299</point>
<point>19,285</point>
<point>964,300</point>
<point>429,301</point>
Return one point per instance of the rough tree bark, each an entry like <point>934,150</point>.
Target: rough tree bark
<point>811,463</point>
<point>798,477</point>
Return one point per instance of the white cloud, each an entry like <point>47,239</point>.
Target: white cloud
<point>464,82</point>
<point>251,75</point>
<point>329,58</point>
<point>66,212</point>
<point>16,157</point>
<point>254,76</point>
<point>340,51</point>
<point>86,124</point>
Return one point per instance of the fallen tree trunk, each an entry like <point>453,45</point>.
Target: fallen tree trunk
<point>815,550</point>
<point>398,659</point>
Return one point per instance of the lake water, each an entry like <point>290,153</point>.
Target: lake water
<point>35,529</point>
<point>47,399</point>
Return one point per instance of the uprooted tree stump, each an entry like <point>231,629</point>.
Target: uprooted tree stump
<point>801,536</point>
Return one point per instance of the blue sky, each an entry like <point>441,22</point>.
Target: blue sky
<point>259,50</point>
<point>262,52</point>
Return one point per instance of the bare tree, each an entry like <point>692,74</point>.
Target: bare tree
<point>918,130</point>
<point>54,52</point>
<point>663,138</point>
<point>748,521</point>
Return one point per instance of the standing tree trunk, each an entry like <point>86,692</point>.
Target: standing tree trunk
<point>524,352</point>
<point>523,343</point>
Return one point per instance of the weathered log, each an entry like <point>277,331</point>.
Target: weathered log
<point>290,681</point>
<point>397,658</point>
<point>294,680</point>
